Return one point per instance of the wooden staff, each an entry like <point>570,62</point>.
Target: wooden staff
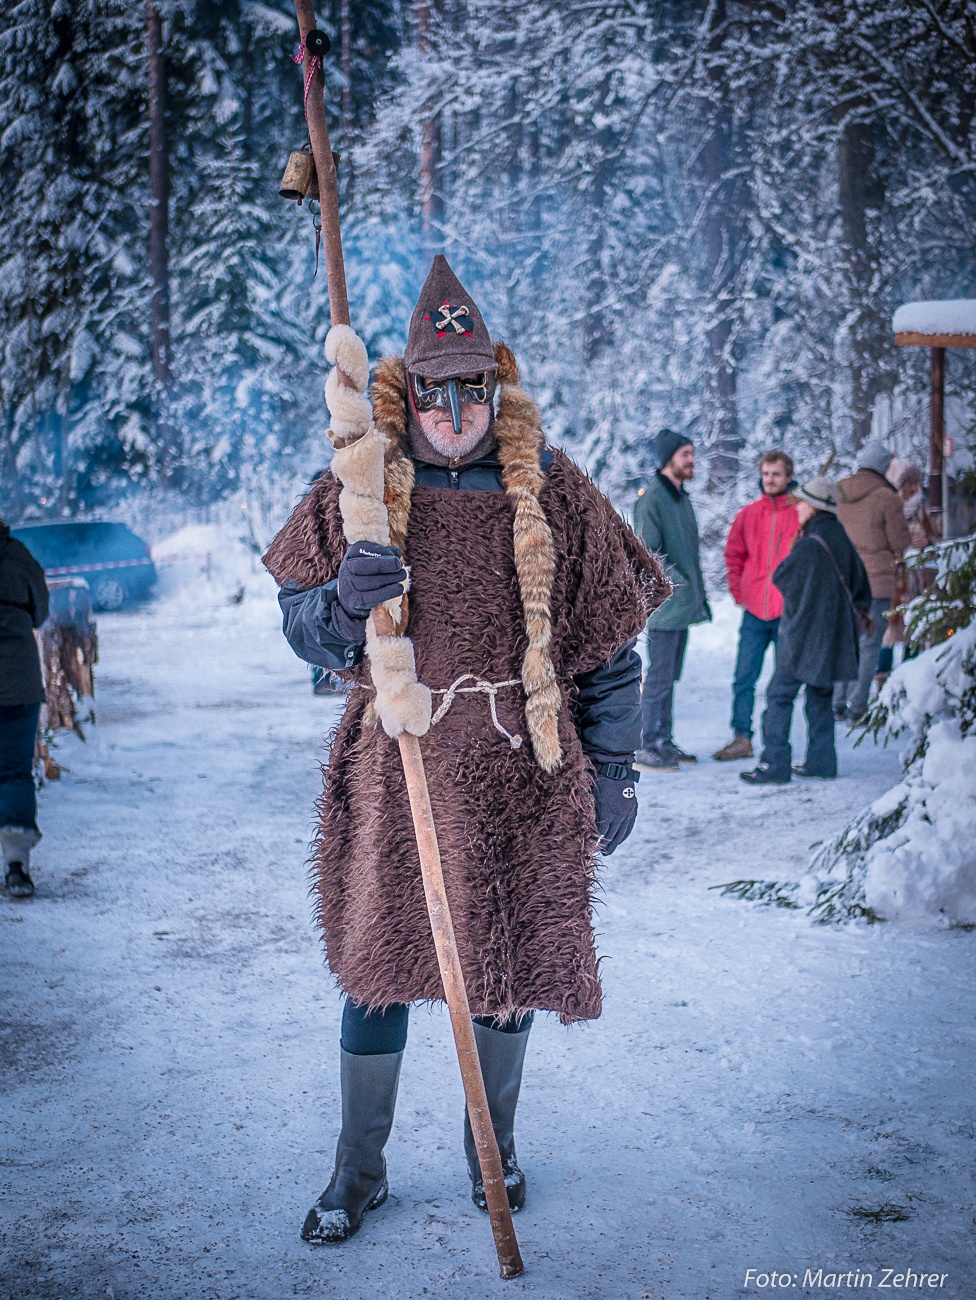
<point>441,924</point>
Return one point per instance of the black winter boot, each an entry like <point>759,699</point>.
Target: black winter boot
<point>501,1057</point>
<point>764,775</point>
<point>369,1089</point>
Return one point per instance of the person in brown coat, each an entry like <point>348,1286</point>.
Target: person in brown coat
<point>526,594</point>
<point>870,509</point>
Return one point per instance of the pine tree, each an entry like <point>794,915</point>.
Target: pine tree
<point>698,213</point>
<point>73,367</point>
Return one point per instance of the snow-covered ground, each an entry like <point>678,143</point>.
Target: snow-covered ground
<point>759,1094</point>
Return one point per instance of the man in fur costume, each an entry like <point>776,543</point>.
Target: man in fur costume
<point>526,594</point>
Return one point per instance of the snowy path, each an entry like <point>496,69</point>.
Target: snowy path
<point>169,1036</point>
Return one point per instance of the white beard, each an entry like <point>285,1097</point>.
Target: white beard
<point>451,444</point>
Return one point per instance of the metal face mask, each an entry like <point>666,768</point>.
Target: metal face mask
<point>453,393</point>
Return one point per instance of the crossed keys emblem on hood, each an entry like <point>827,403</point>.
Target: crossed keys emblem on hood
<point>459,320</point>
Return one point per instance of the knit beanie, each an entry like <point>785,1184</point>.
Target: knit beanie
<point>820,492</point>
<point>667,443</point>
<point>876,456</point>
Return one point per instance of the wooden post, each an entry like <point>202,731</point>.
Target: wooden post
<point>506,1245</point>
<point>937,342</point>
<point>445,944</point>
<point>455,993</point>
<point>937,436</point>
<point>318,134</point>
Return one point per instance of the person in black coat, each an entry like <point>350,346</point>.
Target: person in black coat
<point>23,607</point>
<point>824,586</point>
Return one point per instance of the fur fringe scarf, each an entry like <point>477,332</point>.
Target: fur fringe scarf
<point>520,440</point>
<point>402,703</point>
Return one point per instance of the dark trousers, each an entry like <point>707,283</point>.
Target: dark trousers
<point>665,656</point>
<point>821,759</point>
<point>756,635</point>
<point>18,731</point>
<point>375,1033</point>
<point>854,695</point>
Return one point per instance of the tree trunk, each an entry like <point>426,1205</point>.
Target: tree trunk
<point>10,494</point>
<point>431,201</point>
<point>159,199</point>
<point>596,328</point>
<point>860,193</point>
<point>721,239</point>
<point>345,27</point>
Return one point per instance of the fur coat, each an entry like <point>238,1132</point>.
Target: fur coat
<point>517,840</point>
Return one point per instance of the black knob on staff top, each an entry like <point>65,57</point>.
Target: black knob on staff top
<point>317,43</point>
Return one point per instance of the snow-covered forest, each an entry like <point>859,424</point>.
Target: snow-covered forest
<point>702,213</point>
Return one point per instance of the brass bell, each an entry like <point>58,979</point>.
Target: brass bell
<point>299,177</point>
<point>300,180</point>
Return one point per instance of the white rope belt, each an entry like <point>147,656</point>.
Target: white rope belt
<point>480,687</point>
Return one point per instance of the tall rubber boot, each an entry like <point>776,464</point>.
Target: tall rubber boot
<point>501,1057</point>
<point>17,842</point>
<point>369,1090</point>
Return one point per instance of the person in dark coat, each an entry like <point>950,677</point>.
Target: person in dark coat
<point>823,582</point>
<point>664,520</point>
<point>23,607</point>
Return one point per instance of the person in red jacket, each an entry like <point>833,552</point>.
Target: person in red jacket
<point>760,537</point>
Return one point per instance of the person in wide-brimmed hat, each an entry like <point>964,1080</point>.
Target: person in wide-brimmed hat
<point>825,589</point>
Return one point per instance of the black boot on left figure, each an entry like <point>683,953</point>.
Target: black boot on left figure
<point>501,1055</point>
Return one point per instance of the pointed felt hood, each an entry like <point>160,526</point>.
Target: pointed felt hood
<point>447,335</point>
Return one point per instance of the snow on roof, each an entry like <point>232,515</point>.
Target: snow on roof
<point>953,316</point>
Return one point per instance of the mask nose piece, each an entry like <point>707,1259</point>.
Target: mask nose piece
<point>454,402</point>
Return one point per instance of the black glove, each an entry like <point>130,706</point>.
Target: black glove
<point>615,795</point>
<point>368,575</point>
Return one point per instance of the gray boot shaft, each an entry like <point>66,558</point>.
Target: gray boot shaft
<point>17,842</point>
<point>369,1091</point>
<point>502,1057</point>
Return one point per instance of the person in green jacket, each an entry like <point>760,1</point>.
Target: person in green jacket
<point>664,518</point>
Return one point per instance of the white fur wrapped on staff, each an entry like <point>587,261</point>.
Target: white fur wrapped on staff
<point>402,703</point>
